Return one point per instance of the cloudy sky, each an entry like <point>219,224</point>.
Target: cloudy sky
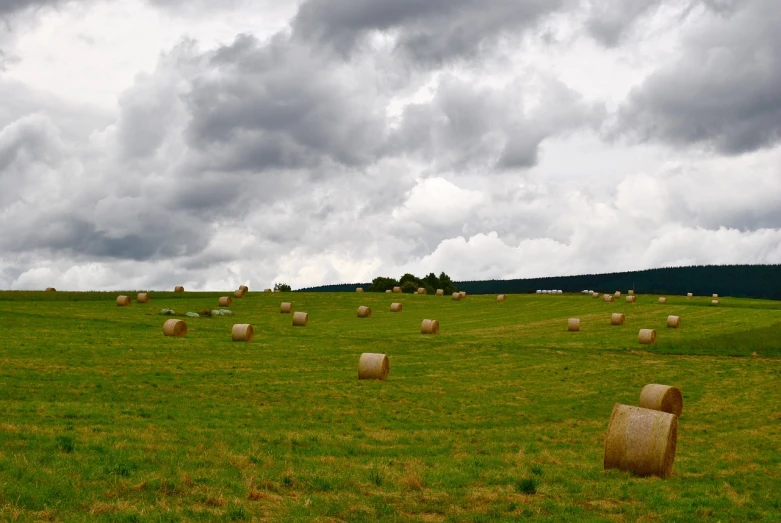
<point>151,143</point>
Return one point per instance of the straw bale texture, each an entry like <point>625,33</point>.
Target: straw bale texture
<point>421,290</point>
<point>178,288</point>
<point>123,301</point>
<point>429,327</point>
<point>359,289</point>
<point>225,301</point>
<point>714,302</point>
<point>300,319</point>
<point>143,297</point>
<point>364,312</point>
<point>689,294</point>
<point>663,398</point>
<point>673,322</point>
<point>608,298</point>
<point>239,293</point>
<point>456,296</point>
<point>174,328</point>
<point>501,297</point>
<point>641,441</point>
<point>242,332</point>
<point>595,295</point>
<point>662,300</point>
<point>631,293</point>
<point>463,294</point>
<point>573,324</point>
<point>631,299</point>
<point>440,292</point>
<point>617,294</point>
<point>647,336</point>
<point>617,318</point>
<point>286,307</point>
<point>244,288</point>
<point>51,289</point>
<point>397,290</point>
<point>372,366</point>
<point>396,307</point>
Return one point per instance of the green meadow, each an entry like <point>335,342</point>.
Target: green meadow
<point>499,417</point>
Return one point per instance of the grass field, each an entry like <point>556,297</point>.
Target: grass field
<point>501,416</point>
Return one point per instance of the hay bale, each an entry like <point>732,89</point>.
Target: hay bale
<point>714,302</point>
<point>631,293</point>
<point>364,312</point>
<point>421,290</point>
<point>662,300</point>
<point>225,301</point>
<point>239,293</point>
<point>538,292</point>
<point>573,324</point>
<point>715,296</point>
<point>244,288</point>
<point>178,288</point>
<point>286,307</point>
<point>440,292</point>
<point>617,294</point>
<point>242,332</point>
<point>389,291</point>
<point>359,289</point>
<point>501,297</point>
<point>456,296</point>
<point>396,307</point>
<point>429,327</point>
<point>143,297</point>
<point>266,290</point>
<point>617,318</point>
<point>123,301</point>
<point>397,290</point>
<point>689,294</point>
<point>174,328</point>
<point>300,319</point>
<point>595,295</point>
<point>463,294</point>
<point>641,441</point>
<point>631,299</point>
<point>51,289</point>
<point>663,398</point>
<point>608,298</point>
<point>673,322</point>
<point>647,336</point>
<point>372,366</point>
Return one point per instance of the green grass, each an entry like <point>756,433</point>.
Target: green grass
<point>499,417</point>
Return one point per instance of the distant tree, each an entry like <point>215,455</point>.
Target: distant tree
<point>282,287</point>
<point>410,278</point>
<point>446,284</point>
<point>432,281</point>
<point>382,284</point>
<point>409,287</point>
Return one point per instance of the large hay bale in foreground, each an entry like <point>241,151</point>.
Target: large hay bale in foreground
<point>174,328</point>
<point>662,300</point>
<point>456,296</point>
<point>51,289</point>
<point>359,289</point>
<point>373,366</point>
<point>364,312</point>
<point>300,319</point>
<point>178,288</point>
<point>573,324</point>
<point>225,301</point>
<point>617,318</point>
<point>647,336</point>
<point>143,297</point>
<point>662,397</point>
<point>673,322</point>
<point>396,307</point>
<point>286,307</point>
<point>631,299</point>
<point>501,297</point>
<point>123,301</point>
<point>397,290</point>
<point>440,292</point>
<point>429,327</point>
<point>641,441</point>
<point>608,298</point>
<point>421,290</point>
<point>242,332</point>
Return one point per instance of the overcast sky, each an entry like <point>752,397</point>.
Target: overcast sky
<point>152,143</point>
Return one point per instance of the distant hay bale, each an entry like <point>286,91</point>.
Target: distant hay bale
<point>364,312</point>
<point>715,296</point>
<point>421,290</point>
<point>714,302</point>
<point>429,327</point>
<point>440,292</point>
<point>663,398</point>
<point>689,294</point>
<point>647,336</point>
<point>178,288</point>
<point>123,301</point>
<point>388,291</point>
<point>595,295</point>
<point>538,291</point>
<point>617,294</point>
<point>174,328</point>
<point>373,366</point>
<point>463,294</point>
<point>266,290</point>
<point>617,318</point>
<point>501,297</point>
<point>359,289</point>
<point>631,299</point>
<point>641,441</point>
<point>143,297</point>
<point>673,322</point>
<point>242,332</point>
<point>225,301</point>
<point>573,324</point>
<point>244,288</point>
<point>662,300</point>
<point>631,293</point>
<point>456,296</point>
<point>300,319</point>
<point>608,298</point>
<point>286,307</point>
<point>51,289</point>
<point>239,293</point>
<point>396,307</point>
<point>397,290</point>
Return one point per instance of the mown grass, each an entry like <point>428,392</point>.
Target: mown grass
<point>499,417</point>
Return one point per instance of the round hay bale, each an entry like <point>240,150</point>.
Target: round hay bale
<point>123,301</point>
<point>538,291</point>
<point>673,322</point>
<point>397,290</point>
<point>51,289</point>
<point>286,307</point>
<point>617,318</point>
<point>647,336</point>
<point>429,327</point>
<point>501,297</point>
<point>266,290</point>
<point>239,293</point>
<point>396,307</point>
<point>456,296</point>
<point>663,398</point>
<point>608,298</point>
<point>631,293</point>
<point>143,297</point>
<point>421,290</point>
<point>364,312</point>
<point>463,294</point>
<point>440,292</point>
<point>631,299</point>
<point>388,291</point>
<point>617,294</point>
<point>641,441</point>
<point>372,366</point>
<point>714,302</point>
<point>178,288</point>
<point>595,295</point>
<point>242,332</point>
<point>359,289</point>
<point>573,324</point>
<point>300,319</point>
<point>174,328</point>
<point>244,288</point>
<point>662,300</point>
<point>225,301</point>
<point>715,296</point>
<point>689,294</point>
